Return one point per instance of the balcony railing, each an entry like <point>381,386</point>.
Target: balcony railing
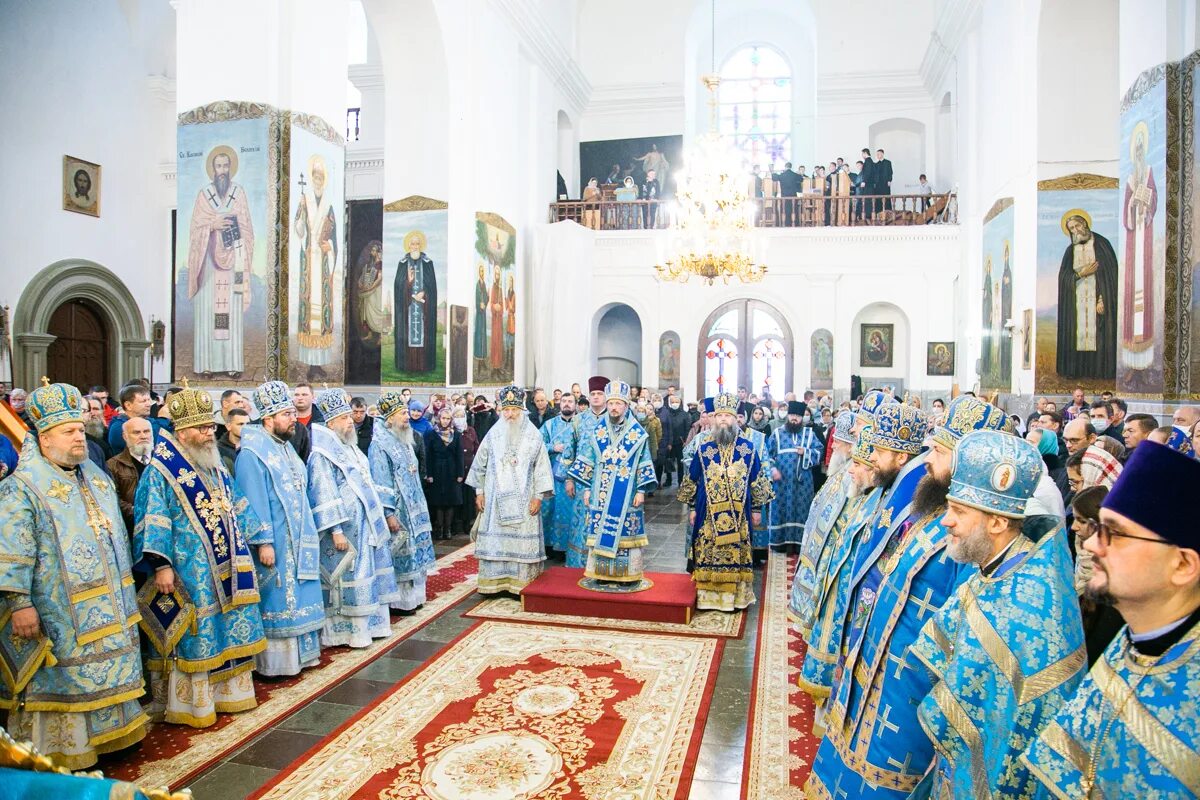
<point>816,211</point>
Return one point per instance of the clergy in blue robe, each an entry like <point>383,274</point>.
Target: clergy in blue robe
<point>561,435</point>
<point>760,537</point>
<point>192,530</point>
<point>356,562</point>
<point>70,672</point>
<point>726,487</point>
<point>285,545</point>
<point>397,474</point>
<point>831,590</point>
<point>511,476</point>
<point>1133,728</point>
<point>615,470</point>
<point>1006,651</point>
<point>793,449</point>
<point>824,514</point>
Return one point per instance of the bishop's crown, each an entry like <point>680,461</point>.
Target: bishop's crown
<point>273,397</point>
<point>333,403</point>
<point>54,404</point>
<point>964,415</point>
<point>726,403</point>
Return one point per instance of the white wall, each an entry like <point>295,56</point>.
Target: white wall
<point>901,369</point>
<point>102,108</point>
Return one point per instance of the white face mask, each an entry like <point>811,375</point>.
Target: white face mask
<point>674,405</point>
<point>1101,425</point>
<point>657,404</point>
<point>781,413</point>
<point>460,423</point>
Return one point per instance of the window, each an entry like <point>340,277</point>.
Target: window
<point>755,105</point>
<point>745,343</point>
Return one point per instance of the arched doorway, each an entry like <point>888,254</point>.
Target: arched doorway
<point>619,344</point>
<point>79,353</point>
<point>745,343</point>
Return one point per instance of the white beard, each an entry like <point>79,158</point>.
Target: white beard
<point>206,457</point>
<point>837,461</point>
<point>349,437</point>
<point>140,451</point>
<point>405,434</point>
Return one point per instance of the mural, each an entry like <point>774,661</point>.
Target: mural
<point>995,371</point>
<point>876,345</point>
<point>821,345</point>
<point>495,310</point>
<point>414,280</point>
<point>668,359</point>
<point>225,319</point>
<point>604,160</point>
<point>1143,236</point>
<point>460,344</point>
<point>1077,280</point>
<point>316,217</point>
<point>1027,339</point>
<point>939,359</point>
<point>367,304</point>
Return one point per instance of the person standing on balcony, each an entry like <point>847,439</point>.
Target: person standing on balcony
<point>789,187</point>
<point>650,191</point>
<point>591,209</point>
<point>866,183</point>
<point>883,179</point>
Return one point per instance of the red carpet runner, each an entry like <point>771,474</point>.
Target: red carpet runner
<point>171,755</point>
<point>780,746</point>
<point>515,711</point>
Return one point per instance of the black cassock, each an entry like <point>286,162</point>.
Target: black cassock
<point>416,343</point>
<point>1101,363</point>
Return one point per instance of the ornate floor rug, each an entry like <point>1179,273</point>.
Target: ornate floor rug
<point>780,746</point>
<point>171,755</point>
<point>704,623</point>
<point>515,711</point>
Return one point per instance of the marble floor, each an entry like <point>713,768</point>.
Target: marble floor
<point>719,768</point>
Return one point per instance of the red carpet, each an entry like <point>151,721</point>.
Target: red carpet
<point>171,755</point>
<point>672,598</point>
<point>510,712</point>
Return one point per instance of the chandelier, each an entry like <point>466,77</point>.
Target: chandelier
<point>713,215</point>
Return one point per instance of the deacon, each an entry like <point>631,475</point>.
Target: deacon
<point>1007,649</point>
<point>356,562</point>
<point>1133,727</point>
<point>824,515</point>
<point>831,591</point>
<point>899,579</point>
<point>286,546</point>
<point>727,489</point>
<point>616,470</point>
<point>192,531</point>
<point>793,449</point>
<point>593,415</point>
<point>510,475</point>
<point>69,643</point>
<point>396,470</point>
<point>561,435</point>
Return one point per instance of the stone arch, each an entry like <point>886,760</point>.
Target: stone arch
<point>903,141</point>
<point>568,152</point>
<point>70,279</point>
<point>900,373</point>
<point>619,335</point>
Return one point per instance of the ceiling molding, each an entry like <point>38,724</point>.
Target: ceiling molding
<point>554,58</point>
<point>953,23</point>
<point>619,99</point>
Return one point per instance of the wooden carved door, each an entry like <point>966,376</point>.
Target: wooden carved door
<point>79,353</point>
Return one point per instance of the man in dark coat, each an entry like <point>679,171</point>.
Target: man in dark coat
<point>866,183</point>
<point>789,186</point>
<point>881,176</point>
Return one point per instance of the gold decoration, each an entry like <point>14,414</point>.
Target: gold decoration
<point>416,203</point>
<point>45,381</point>
<point>1078,180</point>
<point>996,209</point>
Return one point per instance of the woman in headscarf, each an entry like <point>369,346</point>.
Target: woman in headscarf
<point>469,440</point>
<point>1100,467</point>
<point>443,473</point>
<point>759,421</point>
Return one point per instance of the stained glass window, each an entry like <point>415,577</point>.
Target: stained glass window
<point>720,367</point>
<point>755,105</point>
<point>768,368</point>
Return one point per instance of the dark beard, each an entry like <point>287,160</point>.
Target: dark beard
<point>724,435</point>
<point>567,413</point>
<point>796,428</point>
<point>930,496</point>
<point>285,435</point>
<point>1099,597</point>
<point>221,184</point>
<point>885,479</point>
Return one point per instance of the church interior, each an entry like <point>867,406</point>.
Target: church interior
<point>502,399</point>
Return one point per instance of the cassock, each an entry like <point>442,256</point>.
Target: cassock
<point>415,290</point>
<point>825,515</point>
<point>196,520</point>
<point>275,481</point>
<point>794,455</point>
<point>614,465</point>
<point>394,469</point>
<point>558,512</point>
<point>1087,339</point>
<point>510,470</point>
<point>724,485</point>
<point>1006,652</point>
<point>74,690</point>
<point>358,583</point>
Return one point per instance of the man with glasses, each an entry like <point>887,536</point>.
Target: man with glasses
<point>1079,435</point>
<point>1134,721</point>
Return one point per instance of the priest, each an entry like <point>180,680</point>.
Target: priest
<point>792,451</point>
<point>1133,727</point>
<point>1007,649</point>
<point>356,563</point>
<point>68,626</point>
<point>561,435</point>
<point>397,474</point>
<point>511,475</point>
<point>285,545</point>
<point>727,490</point>
<point>615,468</point>
<point>193,528</point>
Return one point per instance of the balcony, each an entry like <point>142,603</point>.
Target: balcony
<point>815,211</point>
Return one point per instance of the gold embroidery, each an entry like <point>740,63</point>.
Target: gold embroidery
<point>958,719</point>
<point>1065,745</point>
<point>59,491</point>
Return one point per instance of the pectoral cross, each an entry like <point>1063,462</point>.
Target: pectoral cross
<point>302,183</point>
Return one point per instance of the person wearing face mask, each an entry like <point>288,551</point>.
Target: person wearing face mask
<point>644,414</point>
<point>679,428</point>
<point>792,451</point>
<point>660,410</point>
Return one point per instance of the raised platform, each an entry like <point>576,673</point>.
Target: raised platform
<point>671,598</point>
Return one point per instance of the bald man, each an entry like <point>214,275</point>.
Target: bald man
<point>1186,416</point>
<point>1079,435</point>
<point>127,466</point>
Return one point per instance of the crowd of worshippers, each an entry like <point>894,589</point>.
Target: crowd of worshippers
<point>966,636</point>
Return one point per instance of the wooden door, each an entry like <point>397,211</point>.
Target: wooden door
<point>79,353</point>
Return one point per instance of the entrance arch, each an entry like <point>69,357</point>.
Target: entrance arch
<point>107,298</point>
<point>745,343</point>
<point>79,353</point>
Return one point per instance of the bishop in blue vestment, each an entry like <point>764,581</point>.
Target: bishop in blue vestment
<point>285,544</point>
<point>793,449</point>
<point>561,435</point>
<point>356,563</point>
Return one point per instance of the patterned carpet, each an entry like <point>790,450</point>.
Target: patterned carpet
<point>171,755</point>
<point>513,711</point>
<point>780,746</point>
<point>704,623</point>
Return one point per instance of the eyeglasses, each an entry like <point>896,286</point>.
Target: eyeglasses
<point>206,428</point>
<point>1105,535</point>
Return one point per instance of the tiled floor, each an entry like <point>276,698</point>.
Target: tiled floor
<point>719,767</point>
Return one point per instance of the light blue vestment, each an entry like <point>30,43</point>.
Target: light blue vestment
<point>559,512</point>
<point>394,469</point>
<point>824,513</point>
<point>794,455</point>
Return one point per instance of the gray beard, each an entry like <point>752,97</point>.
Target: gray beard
<point>206,457</point>
<point>140,451</point>
<point>1083,238</point>
<point>94,428</point>
<point>349,436</point>
<point>724,435</point>
<point>837,461</point>
<point>405,434</point>
<point>973,550</point>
